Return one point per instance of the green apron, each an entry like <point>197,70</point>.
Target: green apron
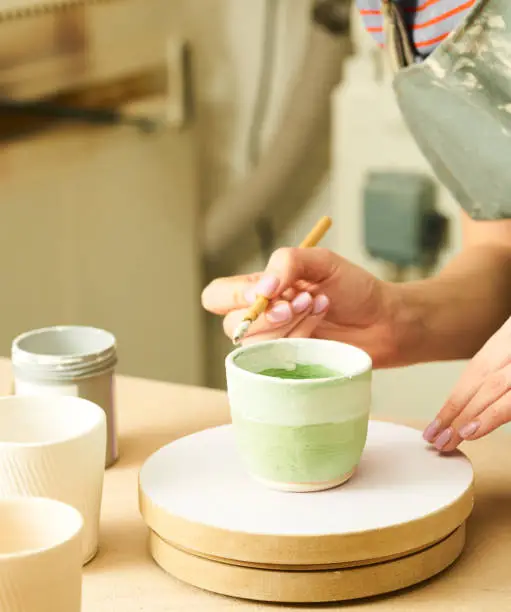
<point>457,104</point>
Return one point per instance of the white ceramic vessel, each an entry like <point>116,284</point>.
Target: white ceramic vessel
<point>54,447</point>
<point>70,360</point>
<point>40,556</point>
<point>300,434</point>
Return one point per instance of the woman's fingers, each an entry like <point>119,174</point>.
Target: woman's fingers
<point>277,318</point>
<point>483,382</point>
<point>494,416</point>
<point>280,319</point>
<point>279,314</point>
<point>300,326</point>
<point>225,294</point>
<point>465,390</point>
<point>290,294</point>
<point>307,327</point>
<point>295,265</point>
<point>473,427</point>
<point>484,412</point>
<point>289,272</point>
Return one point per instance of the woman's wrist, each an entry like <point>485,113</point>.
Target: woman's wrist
<point>450,316</point>
<point>407,316</point>
<point>430,321</point>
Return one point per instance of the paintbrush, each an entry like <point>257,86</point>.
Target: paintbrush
<point>261,303</point>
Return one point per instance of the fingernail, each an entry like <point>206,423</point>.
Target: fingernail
<point>320,304</point>
<point>431,430</point>
<point>266,286</point>
<point>301,302</point>
<point>469,430</point>
<point>443,439</point>
<point>280,313</point>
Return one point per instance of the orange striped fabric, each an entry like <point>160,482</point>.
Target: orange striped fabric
<point>429,21</point>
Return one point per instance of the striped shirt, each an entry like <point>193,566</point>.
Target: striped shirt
<point>429,21</point>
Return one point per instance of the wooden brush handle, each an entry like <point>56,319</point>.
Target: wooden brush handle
<point>316,233</point>
<point>311,240</point>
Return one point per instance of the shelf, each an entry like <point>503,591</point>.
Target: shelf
<point>90,43</point>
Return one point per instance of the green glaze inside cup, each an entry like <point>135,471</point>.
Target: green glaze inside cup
<point>300,410</point>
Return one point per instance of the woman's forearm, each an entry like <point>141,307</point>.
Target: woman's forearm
<point>452,315</point>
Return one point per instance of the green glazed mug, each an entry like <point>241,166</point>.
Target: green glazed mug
<point>300,411</point>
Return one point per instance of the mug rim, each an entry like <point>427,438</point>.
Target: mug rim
<point>98,422</point>
<point>72,514</point>
<point>230,362</point>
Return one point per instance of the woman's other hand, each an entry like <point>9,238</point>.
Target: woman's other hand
<point>481,400</point>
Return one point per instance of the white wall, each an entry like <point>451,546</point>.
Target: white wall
<point>99,228</point>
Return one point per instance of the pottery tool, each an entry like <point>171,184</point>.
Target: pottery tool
<point>197,496</point>
<point>261,303</point>
<point>308,587</point>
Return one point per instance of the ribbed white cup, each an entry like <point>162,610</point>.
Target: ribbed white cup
<point>54,447</point>
<point>40,556</point>
<point>69,360</point>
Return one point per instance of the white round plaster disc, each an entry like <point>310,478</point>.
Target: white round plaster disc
<point>404,496</point>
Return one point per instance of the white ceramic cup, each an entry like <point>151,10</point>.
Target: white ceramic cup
<point>40,556</point>
<point>70,360</point>
<point>55,447</point>
<point>306,429</point>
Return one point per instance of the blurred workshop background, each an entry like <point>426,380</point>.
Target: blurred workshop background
<point>238,123</point>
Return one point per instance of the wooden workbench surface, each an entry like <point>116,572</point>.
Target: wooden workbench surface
<point>123,578</point>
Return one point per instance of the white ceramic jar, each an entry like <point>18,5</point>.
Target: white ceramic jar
<point>70,360</point>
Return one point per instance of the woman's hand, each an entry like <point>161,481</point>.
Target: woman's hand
<point>314,293</point>
<point>481,401</point>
